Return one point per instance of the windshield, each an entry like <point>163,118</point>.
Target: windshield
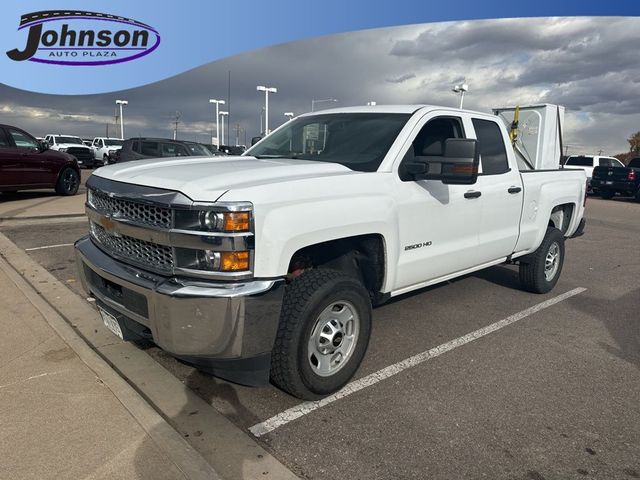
<point>358,141</point>
<point>75,140</point>
<point>580,161</point>
<point>109,142</point>
<point>198,149</point>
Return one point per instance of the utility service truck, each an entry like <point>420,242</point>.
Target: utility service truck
<point>267,265</point>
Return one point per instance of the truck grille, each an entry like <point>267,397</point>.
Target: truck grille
<point>134,211</point>
<point>145,254</point>
<point>82,154</point>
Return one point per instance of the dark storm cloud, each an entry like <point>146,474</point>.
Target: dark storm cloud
<point>401,78</point>
<point>587,64</point>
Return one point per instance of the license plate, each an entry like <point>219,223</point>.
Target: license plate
<point>608,183</point>
<point>111,323</point>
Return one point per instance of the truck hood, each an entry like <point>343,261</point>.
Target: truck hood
<point>207,178</point>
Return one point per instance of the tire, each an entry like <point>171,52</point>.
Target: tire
<point>310,322</point>
<point>68,182</point>
<point>637,196</point>
<point>539,273</point>
<point>606,194</point>
<point>105,160</point>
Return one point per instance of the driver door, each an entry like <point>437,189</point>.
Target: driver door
<point>29,166</point>
<point>438,223</point>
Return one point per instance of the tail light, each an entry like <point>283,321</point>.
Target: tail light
<point>631,176</point>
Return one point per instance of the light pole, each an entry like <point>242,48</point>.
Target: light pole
<point>218,103</point>
<point>121,103</point>
<point>289,115</point>
<point>222,115</point>
<point>313,102</point>
<point>266,90</point>
<point>461,88</point>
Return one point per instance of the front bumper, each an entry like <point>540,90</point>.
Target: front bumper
<point>221,327</point>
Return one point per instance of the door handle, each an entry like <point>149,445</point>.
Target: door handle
<point>514,189</point>
<point>472,194</point>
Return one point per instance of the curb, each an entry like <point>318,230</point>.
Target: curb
<point>227,450</point>
<point>185,457</point>
<point>79,216</point>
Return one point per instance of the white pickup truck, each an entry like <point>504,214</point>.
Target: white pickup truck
<point>105,147</point>
<point>267,265</point>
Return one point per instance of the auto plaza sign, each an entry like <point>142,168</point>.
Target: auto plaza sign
<point>70,37</point>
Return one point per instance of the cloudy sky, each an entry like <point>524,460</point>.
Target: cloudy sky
<point>589,65</point>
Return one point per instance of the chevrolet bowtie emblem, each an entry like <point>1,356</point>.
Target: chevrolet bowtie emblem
<point>109,226</point>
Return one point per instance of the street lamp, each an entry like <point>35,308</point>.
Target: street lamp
<point>218,103</point>
<point>313,102</point>
<point>222,115</point>
<point>289,115</point>
<point>461,88</point>
<point>266,90</point>
<point>121,103</point>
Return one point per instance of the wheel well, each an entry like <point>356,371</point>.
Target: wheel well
<point>561,217</point>
<point>362,257</point>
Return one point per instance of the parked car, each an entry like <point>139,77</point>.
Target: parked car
<point>87,142</point>
<point>26,164</point>
<point>625,181</point>
<point>73,146</point>
<point>140,148</point>
<point>589,162</point>
<point>104,148</point>
<point>268,265</point>
<point>233,149</point>
<point>214,149</point>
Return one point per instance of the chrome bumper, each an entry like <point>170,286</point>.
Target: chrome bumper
<point>187,318</point>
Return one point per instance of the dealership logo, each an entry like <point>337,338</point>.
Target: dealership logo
<point>70,37</point>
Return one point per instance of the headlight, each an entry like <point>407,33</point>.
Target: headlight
<point>213,261</point>
<point>213,221</point>
<point>63,149</point>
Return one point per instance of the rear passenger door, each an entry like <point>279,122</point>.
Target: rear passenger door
<point>9,162</point>
<point>501,197</point>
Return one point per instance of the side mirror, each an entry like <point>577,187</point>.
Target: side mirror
<point>255,140</point>
<point>458,165</point>
<point>44,145</point>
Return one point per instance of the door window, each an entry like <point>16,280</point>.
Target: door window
<point>149,148</point>
<point>173,150</point>
<point>430,140</point>
<point>4,141</point>
<point>22,140</point>
<point>493,155</point>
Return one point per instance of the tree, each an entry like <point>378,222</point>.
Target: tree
<point>634,142</point>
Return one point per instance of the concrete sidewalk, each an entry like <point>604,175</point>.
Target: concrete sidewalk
<point>64,413</point>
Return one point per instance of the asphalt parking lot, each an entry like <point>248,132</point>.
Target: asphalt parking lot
<point>554,394</point>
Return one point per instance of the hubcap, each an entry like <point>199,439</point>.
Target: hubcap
<point>69,180</point>
<point>333,338</point>
<point>552,261</point>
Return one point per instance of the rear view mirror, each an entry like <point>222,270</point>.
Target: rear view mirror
<point>458,164</point>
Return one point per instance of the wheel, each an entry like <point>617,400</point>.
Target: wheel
<point>607,195</point>
<point>637,196</point>
<point>323,334</point>
<point>105,159</point>
<point>540,271</point>
<point>68,182</point>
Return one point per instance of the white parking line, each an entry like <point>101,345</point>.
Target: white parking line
<point>307,407</point>
<point>48,246</point>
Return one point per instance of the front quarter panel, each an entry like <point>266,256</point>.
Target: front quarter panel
<point>297,214</point>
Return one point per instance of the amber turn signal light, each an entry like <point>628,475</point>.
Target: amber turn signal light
<point>237,222</point>
<point>234,261</point>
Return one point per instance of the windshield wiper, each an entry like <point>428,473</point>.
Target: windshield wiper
<point>270,157</point>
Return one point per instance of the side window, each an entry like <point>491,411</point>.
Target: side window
<point>605,162</point>
<point>95,142</point>
<point>493,155</point>
<point>173,150</point>
<point>149,148</point>
<point>4,141</point>
<point>22,140</point>
<point>430,139</point>
<point>616,163</point>
<point>101,143</point>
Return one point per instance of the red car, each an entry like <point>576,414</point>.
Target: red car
<point>26,164</point>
